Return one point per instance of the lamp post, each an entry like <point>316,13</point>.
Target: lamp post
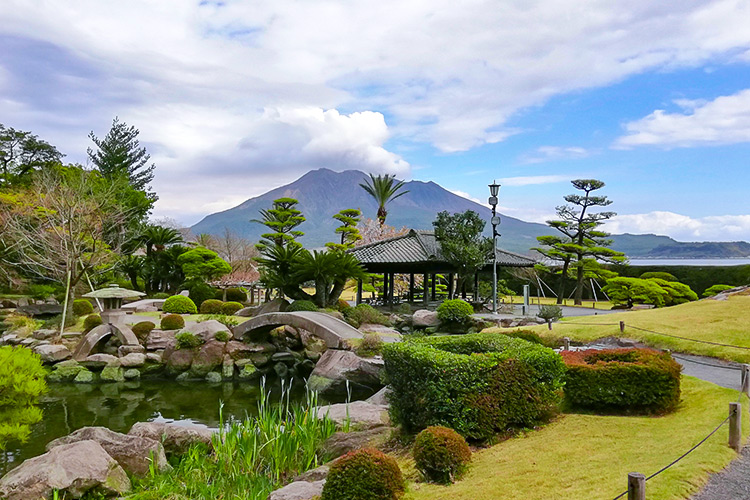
<point>495,221</point>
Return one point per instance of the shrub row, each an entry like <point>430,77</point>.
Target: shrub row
<point>477,384</point>
<point>622,379</point>
<point>214,306</point>
<point>365,314</point>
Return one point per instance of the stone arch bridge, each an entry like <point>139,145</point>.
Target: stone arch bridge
<point>333,331</point>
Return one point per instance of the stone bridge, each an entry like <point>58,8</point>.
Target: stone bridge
<point>100,335</point>
<point>332,330</point>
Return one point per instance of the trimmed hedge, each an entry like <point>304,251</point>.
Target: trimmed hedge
<point>172,322</point>
<point>179,304</point>
<point>142,329</point>
<point>641,380</point>
<point>211,306</point>
<point>229,308</point>
<point>82,307</point>
<point>91,321</point>
<point>441,454</point>
<point>302,305</point>
<point>477,384</point>
<point>235,295</point>
<point>455,311</point>
<point>366,474</point>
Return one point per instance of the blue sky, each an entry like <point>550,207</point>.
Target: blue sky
<point>234,98</point>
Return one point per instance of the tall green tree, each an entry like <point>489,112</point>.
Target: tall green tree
<point>349,218</point>
<point>583,243</point>
<point>462,243</point>
<point>282,220</point>
<point>22,153</point>
<point>384,189</point>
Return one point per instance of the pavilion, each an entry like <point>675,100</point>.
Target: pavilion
<point>419,252</point>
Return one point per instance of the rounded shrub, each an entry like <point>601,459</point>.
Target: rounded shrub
<point>715,289</point>
<point>91,321</point>
<point>365,474</point>
<point>455,311</point>
<point>441,454</point>
<point>229,308</point>
<point>223,336</point>
<point>142,329</point>
<point>630,380</point>
<point>200,291</point>
<point>82,307</point>
<point>235,295</point>
<point>188,340</point>
<point>211,306</point>
<point>172,322</point>
<point>302,305</point>
<point>179,304</point>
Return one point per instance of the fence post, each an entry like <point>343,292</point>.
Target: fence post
<point>566,343</point>
<point>735,426</point>
<point>636,486</point>
<point>622,327</point>
<point>746,379</point>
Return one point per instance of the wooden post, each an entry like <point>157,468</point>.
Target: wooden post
<point>434,280</point>
<point>566,342</point>
<point>359,292</point>
<point>391,289</point>
<point>735,426</point>
<point>385,288</point>
<point>450,285</point>
<point>622,327</point>
<point>746,379</point>
<point>636,486</point>
<point>426,288</point>
<point>411,287</point>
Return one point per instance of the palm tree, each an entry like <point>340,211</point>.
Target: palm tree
<point>159,237</point>
<point>382,188</point>
<point>203,240</point>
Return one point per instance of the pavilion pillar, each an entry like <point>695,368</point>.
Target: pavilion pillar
<point>434,276</point>
<point>385,288</point>
<point>359,292</point>
<point>252,295</point>
<point>476,287</point>
<point>391,288</point>
<point>450,285</point>
<point>411,287</point>
<point>425,288</point>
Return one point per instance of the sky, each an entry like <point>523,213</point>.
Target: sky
<point>233,98</point>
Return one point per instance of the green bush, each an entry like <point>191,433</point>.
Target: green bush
<point>342,304</point>
<point>82,307</point>
<point>531,336</point>
<point>365,314</point>
<point>235,295</point>
<point>223,336</point>
<point>160,295</point>
<point>713,290</point>
<point>40,292</point>
<point>187,340</point>
<point>640,380</point>
<point>302,305</point>
<point>455,311</point>
<point>365,474</point>
<point>658,275</point>
<point>228,321</point>
<point>477,384</point>
<point>229,308</point>
<point>371,345</point>
<point>211,306</point>
<point>200,291</point>
<point>441,454</point>
<point>142,329</point>
<point>21,384</point>
<point>172,322</point>
<point>91,322</point>
<point>403,308</point>
<point>550,313</point>
<point>179,304</point>
<point>54,321</point>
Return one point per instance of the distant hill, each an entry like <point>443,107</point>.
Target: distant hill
<point>323,192</point>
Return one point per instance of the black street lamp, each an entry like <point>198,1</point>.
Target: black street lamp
<point>495,221</point>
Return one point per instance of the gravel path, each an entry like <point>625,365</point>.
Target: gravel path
<point>733,483</point>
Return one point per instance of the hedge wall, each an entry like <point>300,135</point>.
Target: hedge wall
<point>477,384</point>
<point>622,379</point>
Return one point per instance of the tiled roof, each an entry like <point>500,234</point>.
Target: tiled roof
<point>422,247</point>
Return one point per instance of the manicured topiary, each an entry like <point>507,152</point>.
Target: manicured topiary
<point>235,295</point>
<point>302,305</point>
<point>477,384</point>
<point>223,336</point>
<point>631,380</point>
<point>82,307</point>
<point>172,322</point>
<point>230,308</point>
<point>713,290</point>
<point>455,311</point>
<point>365,314</point>
<point>142,329</point>
<point>342,304</point>
<point>200,291</point>
<point>91,321</point>
<point>188,340</point>
<point>179,304</point>
<point>550,312</point>
<point>365,474</point>
<point>211,306</point>
<point>441,454</point>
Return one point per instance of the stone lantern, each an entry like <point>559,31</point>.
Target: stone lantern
<point>111,298</point>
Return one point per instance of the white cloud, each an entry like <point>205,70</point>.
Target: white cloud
<point>464,194</point>
<point>683,227</point>
<point>529,180</point>
<point>555,153</point>
<point>725,120</point>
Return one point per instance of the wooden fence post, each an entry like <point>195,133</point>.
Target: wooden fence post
<point>636,486</point>
<point>746,379</point>
<point>735,426</point>
<point>566,343</point>
<point>622,327</point>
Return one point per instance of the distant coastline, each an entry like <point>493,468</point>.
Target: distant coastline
<point>733,261</point>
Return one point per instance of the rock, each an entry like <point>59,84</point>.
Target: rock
<point>227,367</point>
<point>183,377</point>
<point>304,368</point>
<point>313,475</point>
<point>206,330</point>
<point>380,397</point>
<point>133,360</point>
<point>10,339</point>
<point>312,355</point>
<point>178,360</point>
<point>35,310</point>
<point>260,352</point>
<point>341,443</point>
<point>299,490</point>
<point>387,334</point>
<point>160,339</point>
<point>28,342</point>
<point>133,453</point>
<point>175,438</point>
<point>7,304</point>
<point>336,367</point>
<point>359,413</point>
<point>213,377</point>
<point>209,357</point>
<point>65,371</point>
<point>249,372</point>
<point>84,377</point>
<point>154,357</point>
<point>112,374</point>
<point>281,369</point>
<point>131,374</point>
<point>286,357</point>
<point>44,334</point>
<point>72,469</point>
<point>276,305</point>
<point>100,361</point>
<point>424,318</point>
<point>52,353</point>
<point>124,350</point>
<point>312,342</point>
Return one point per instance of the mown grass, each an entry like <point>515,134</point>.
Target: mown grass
<point>726,322</point>
<point>589,456</point>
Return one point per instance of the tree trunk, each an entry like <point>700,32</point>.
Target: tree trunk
<point>563,277</point>
<point>579,281</point>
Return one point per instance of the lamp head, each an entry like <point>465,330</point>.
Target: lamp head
<point>494,188</point>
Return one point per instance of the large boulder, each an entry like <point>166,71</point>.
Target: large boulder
<point>209,357</point>
<point>160,339</point>
<point>258,352</point>
<point>359,414</point>
<point>177,439</point>
<point>44,334</point>
<point>335,368</point>
<point>37,310</point>
<point>386,333</point>
<point>133,453</point>
<point>341,443</point>
<point>424,319</point>
<point>100,360</point>
<point>52,353</point>
<point>73,470</point>
<point>299,490</point>
<point>178,360</point>
<point>276,305</point>
<point>206,330</point>
<point>133,360</point>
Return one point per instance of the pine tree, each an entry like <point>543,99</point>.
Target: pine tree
<point>349,218</point>
<point>282,220</point>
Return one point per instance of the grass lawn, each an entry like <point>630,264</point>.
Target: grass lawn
<point>518,299</point>
<point>726,322</point>
<point>588,457</point>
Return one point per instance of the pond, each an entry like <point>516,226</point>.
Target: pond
<point>68,407</point>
